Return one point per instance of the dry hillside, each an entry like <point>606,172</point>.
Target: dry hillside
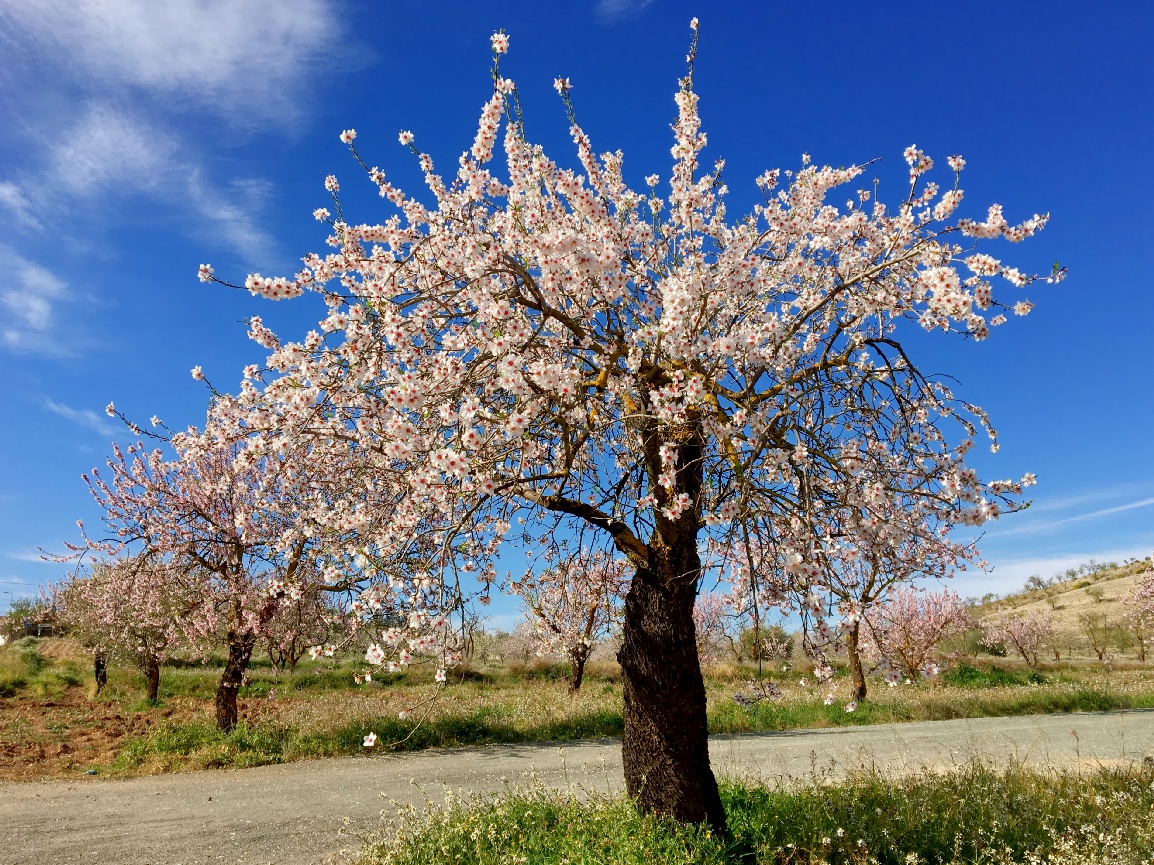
<point>1098,595</point>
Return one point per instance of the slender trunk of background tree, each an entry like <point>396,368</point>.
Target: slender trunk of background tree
<point>857,673</point>
<point>293,656</point>
<point>150,666</point>
<point>240,648</point>
<point>577,658</point>
<point>100,671</point>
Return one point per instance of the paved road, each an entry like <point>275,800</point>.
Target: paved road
<point>292,814</point>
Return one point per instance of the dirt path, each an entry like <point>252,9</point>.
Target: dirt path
<point>292,814</point>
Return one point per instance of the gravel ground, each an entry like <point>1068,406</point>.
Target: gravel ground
<point>294,814</point>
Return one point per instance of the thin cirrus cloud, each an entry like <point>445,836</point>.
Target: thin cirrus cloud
<point>1042,526</point>
<point>84,417</point>
<point>239,57</point>
<point>611,10</point>
<point>28,301</point>
<point>26,556</point>
<point>118,84</point>
<point>17,204</point>
<point>228,220</point>
<point>109,148</point>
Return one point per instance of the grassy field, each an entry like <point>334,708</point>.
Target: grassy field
<point>975,815</point>
<point>52,726</point>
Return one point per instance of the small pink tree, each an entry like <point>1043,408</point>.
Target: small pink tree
<point>574,603</point>
<point>1029,634</point>
<point>128,610</point>
<point>905,631</point>
<point>1140,617</point>
<point>712,623</point>
<point>225,521</point>
<point>863,558</point>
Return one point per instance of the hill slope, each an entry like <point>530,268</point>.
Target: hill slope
<point>1098,595</point>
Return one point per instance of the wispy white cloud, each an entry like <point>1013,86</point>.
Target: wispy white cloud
<point>616,9</point>
<point>27,556</point>
<point>108,148</point>
<point>1042,526</point>
<point>230,215</point>
<point>118,83</point>
<point>244,58</point>
<point>13,199</point>
<point>1045,503</point>
<point>29,299</point>
<point>87,418</point>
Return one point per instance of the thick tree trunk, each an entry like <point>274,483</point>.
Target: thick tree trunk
<point>150,666</point>
<point>857,673</point>
<point>239,652</point>
<point>577,659</point>
<point>100,671</point>
<point>665,747</point>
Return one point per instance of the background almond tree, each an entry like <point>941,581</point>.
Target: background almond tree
<point>905,631</point>
<point>129,610</point>
<point>571,604</point>
<point>216,544</point>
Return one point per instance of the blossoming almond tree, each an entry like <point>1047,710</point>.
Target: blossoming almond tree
<point>1029,634</point>
<point>868,558</point>
<point>712,624</point>
<point>547,344</point>
<point>574,603</point>
<point>1140,616</point>
<point>127,610</point>
<point>904,631</point>
<point>221,521</point>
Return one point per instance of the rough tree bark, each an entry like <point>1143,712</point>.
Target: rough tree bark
<point>577,658</point>
<point>240,648</point>
<point>150,666</point>
<point>100,671</point>
<point>857,672</point>
<point>665,746</point>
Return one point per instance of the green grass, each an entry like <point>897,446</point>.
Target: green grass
<point>318,711</point>
<point>22,667</point>
<point>968,676</point>
<point>973,815</point>
<point>937,704</point>
<point>200,745</point>
<point>318,720</point>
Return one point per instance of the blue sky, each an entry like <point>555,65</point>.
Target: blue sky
<point>144,138</point>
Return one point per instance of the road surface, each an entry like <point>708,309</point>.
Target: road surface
<point>293,814</point>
